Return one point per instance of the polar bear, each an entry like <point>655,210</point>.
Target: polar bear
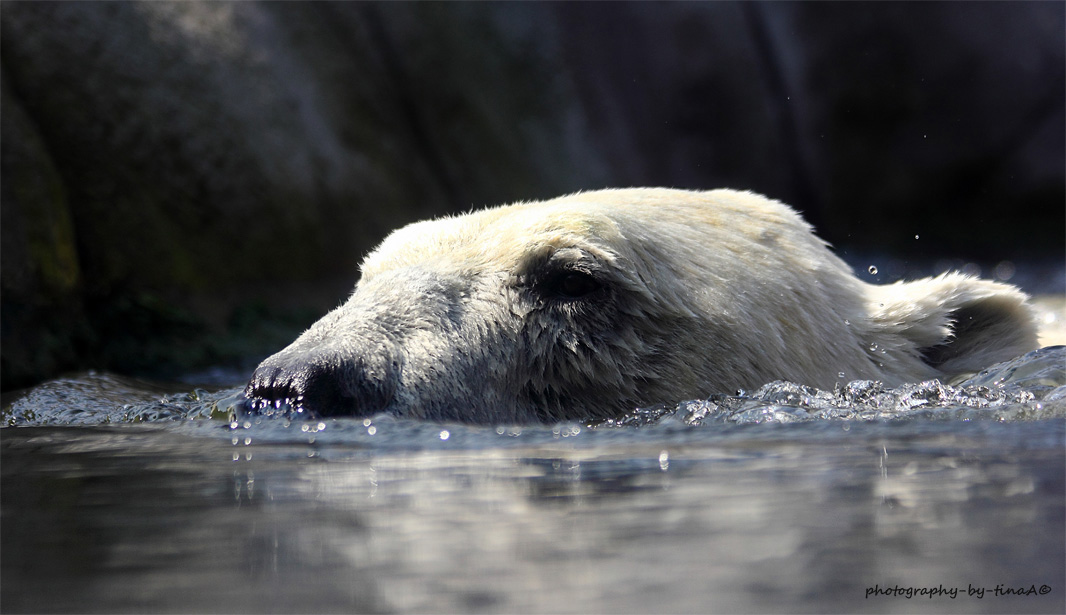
<point>592,304</point>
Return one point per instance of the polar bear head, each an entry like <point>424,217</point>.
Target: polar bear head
<point>595,303</point>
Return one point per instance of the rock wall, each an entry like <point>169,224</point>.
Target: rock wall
<point>188,183</point>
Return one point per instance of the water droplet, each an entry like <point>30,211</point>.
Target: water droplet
<point>664,461</point>
<point>916,236</point>
<point>847,322</point>
<point>872,270</point>
<point>444,434</point>
<point>371,430</point>
<point>840,374</point>
<point>1003,271</point>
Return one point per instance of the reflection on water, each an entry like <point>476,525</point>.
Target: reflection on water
<point>799,511</point>
<point>756,518</point>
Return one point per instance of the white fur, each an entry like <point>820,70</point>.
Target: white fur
<point>702,292</point>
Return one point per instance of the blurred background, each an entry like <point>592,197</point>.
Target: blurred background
<point>186,185</point>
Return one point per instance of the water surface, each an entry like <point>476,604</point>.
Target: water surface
<point>121,497</point>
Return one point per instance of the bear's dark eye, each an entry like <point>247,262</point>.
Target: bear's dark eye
<point>572,284</point>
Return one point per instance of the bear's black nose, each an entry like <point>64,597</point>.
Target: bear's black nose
<point>314,389</point>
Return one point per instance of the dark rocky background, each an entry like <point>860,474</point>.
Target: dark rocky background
<point>189,184</point>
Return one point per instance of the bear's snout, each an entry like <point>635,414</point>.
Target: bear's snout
<point>315,387</point>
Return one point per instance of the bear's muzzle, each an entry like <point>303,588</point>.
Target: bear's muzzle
<point>295,385</point>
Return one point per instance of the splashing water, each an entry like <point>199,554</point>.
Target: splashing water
<point>1030,387</point>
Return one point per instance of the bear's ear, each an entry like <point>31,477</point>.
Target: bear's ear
<point>957,324</point>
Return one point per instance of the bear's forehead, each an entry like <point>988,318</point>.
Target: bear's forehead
<point>632,224</point>
<point>497,239</point>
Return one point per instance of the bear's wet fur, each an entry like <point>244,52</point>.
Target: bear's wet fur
<point>592,304</point>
